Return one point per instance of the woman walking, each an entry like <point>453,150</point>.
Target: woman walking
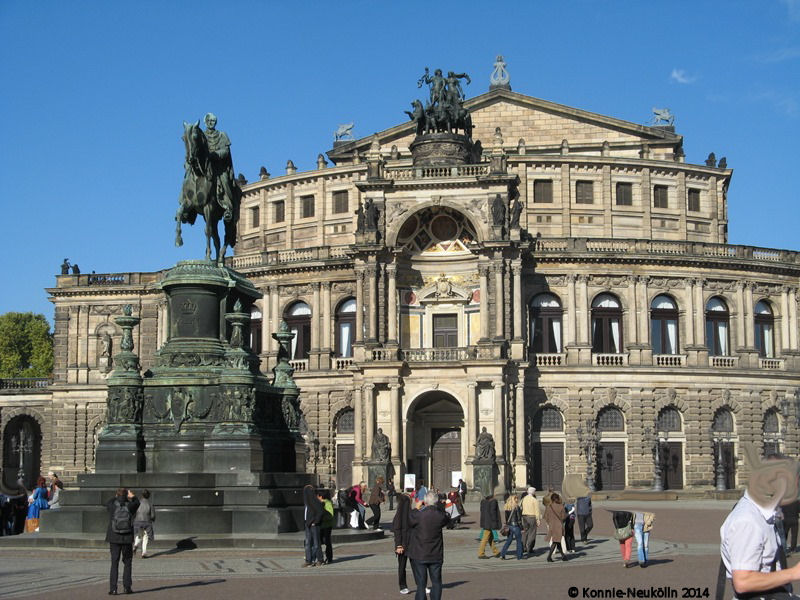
<point>514,523</point>
<point>642,525</point>
<point>623,532</point>
<point>376,498</point>
<point>143,523</point>
<point>313,519</point>
<point>554,516</point>
<point>490,522</point>
<point>402,532</point>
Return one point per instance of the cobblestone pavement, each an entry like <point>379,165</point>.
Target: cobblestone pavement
<point>684,553</point>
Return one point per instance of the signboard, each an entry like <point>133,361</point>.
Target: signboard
<point>454,477</point>
<point>409,482</point>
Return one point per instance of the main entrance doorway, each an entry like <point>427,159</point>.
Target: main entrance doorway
<point>611,466</point>
<point>434,449</point>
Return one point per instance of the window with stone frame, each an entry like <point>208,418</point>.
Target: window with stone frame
<point>279,211</point>
<point>298,318</point>
<point>346,422</point>
<point>624,194</point>
<point>306,207</point>
<point>255,216</point>
<point>660,196</point>
<point>717,327</point>
<point>345,329</point>
<point>723,421</point>
<point>255,330</point>
<point>669,419</point>
<point>545,320</point>
<point>610,419</point>
<point>664,325</point>
<point>693,200</point>
<point>584,192</point>
<point>771,432</point>
<point>341,202</point>
<point>606,324</point>
<point>543,191</point>
<point>548,419</point>
<point>764,330</point>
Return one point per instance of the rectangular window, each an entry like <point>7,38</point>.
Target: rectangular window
<point>624,194</point>
<point>659,196</point>
<point>543,190</point>
<point>340,202</point>
<point>445,331</point>
<point>584,192</point>
<point>255,216</point>
<point>280,211</point>
<point>307,206</point>
<point>693,200</point>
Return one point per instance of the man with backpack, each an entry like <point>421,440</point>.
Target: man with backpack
<point>121,509</point>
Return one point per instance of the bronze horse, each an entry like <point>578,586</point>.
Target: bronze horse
<point>199,194</point>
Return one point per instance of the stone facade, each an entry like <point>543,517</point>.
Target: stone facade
<point>614,319</point>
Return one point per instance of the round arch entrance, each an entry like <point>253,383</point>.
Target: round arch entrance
<point>21,452</point>
<point>435,424</point>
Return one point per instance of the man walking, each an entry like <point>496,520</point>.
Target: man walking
<point>531,515</point>
<point>121,509</point>
<point>426,548</point>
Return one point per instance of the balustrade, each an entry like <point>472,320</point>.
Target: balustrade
<point>724,361</point>
<point>299,365</point>
<point>669,360</point>
<point>771,363</point>
<point>610,360</point>
<point>23,383</point>
<point>549,360</point>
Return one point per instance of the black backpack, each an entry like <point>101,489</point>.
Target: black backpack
<point>122,519</point>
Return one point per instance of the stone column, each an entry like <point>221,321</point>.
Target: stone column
<point>740,335</point>
<point>326,343</point>
<point>645,308</point>
<point>700,312</point>
<point>472,418</point>
<point>633,311</point>
<point>583,311</point>
<point>391,273</point>
<point>369,416</point>
<point>358,418</point>
<point>519,429</point>
<point>315,317</point>
<point>570,332</point>
<point>689,313</point>
<point>359,306</point>
<point>483,270</point>
<point>498,299</point>
<point>793,318</point>
<point>517,309</point>
<point>499,419</point>
<point>372,287</point>
<point>397,426</point>
<point>785,342</point>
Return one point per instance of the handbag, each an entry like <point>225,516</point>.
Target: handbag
<point>504,530</point>
<point>623,533</point>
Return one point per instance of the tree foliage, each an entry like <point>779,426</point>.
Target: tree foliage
<point>26,345</point>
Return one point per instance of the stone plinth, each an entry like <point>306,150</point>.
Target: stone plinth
<point>484,477</point>
<point>440,150</point>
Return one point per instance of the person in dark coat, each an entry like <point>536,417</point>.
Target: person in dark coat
<point>313,519</point>
<point>376,498</point>
<point>426,548</point>
<point>790,514</point>
<point>554,516</point>
<point>402,537</point>
<point>490,522</point>
<point>121,543</point>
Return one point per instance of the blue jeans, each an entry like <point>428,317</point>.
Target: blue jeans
<point>642,540</point>
<point>312,544</point>
<point>514,532</point>
<point>421,570</point>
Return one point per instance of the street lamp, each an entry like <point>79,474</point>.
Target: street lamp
<point>587,438</point>
<point>716,443</point>
<point>654,438</point>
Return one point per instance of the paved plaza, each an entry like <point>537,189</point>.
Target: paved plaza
<point>684,556</point>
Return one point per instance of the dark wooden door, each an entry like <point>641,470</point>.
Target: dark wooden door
<point>611,466</point>
<point>673,465</point>
<point>21,452</point>
<point>729,463</point>
<point>446,457</point>
<point>445,331</point>
<point>547,465</point>
<point>345,453</point>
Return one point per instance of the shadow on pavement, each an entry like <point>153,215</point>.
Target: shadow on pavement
<point>180,546</point>
<point>353,557</point>
<point>453,584</point>
<point>181,585</point>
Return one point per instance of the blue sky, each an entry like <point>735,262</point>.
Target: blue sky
<point>94,95</point>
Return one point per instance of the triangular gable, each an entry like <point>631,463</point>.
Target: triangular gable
<point>539,122</point>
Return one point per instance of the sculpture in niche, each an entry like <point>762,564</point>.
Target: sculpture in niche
<point>516,212</point>
<point>380,446</point>
<point>484,446</point>
<point>498,211</point>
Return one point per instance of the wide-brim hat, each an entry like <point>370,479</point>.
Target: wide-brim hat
<point>771,477</point>
<point>574,486</point>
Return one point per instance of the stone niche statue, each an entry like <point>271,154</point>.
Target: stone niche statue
<point>370,215</point>
<point>516,212</point>
<point>380,447</point>
<point>498,211</point>
<point>484,447</point>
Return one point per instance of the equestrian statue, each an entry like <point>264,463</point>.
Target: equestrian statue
<point>209,186</point>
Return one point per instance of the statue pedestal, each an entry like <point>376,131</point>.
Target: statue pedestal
<point>440,150</point>
<point>484,477</point>
<point>375,469</point>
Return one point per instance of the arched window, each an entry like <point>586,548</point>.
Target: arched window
<point>606,325</point>
<point>610,419</point>
<point>545,318</point>
<point>345,328</point>
<point>765,341</point>
<point>723,421</point>
<point>298,318</point>
<point>346,422</point>
<point>664,325</point>
<point>548,419</point>
<point>717,325</point>
<point>669,419</point>
<point>255,330</point>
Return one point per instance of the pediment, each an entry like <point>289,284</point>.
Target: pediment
<point>444,290</point>
<point>538,122</point>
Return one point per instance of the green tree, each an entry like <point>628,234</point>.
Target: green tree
<point>26,345</point>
